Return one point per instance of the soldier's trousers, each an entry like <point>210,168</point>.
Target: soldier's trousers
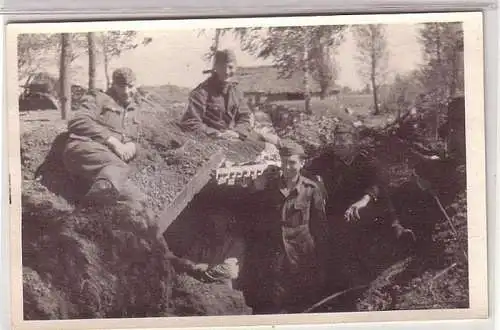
<point>91,161</point>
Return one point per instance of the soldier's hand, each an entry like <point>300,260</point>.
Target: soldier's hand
<point>116,146</point>
<point>352,213</point>
<point>200,268</point>
<point>124,151</point>
<point>130,150</point>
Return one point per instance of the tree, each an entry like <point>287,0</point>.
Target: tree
<point>373,56</point>
<point>64,78</point>
<point>402,93</point>
<point>324,43</point>
<point>442,75</point>
<point>307,49</point>
<point>34,51</point>
<point>92,59</point>
<point>114,43</point>
<point>300,48</point>
<point>442,44</point>
<point>39,50</point>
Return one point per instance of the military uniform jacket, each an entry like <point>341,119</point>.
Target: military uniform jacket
<point>213,107</point>
<point>348,176</point>
<point>296,221</point>
<point>100,116</point>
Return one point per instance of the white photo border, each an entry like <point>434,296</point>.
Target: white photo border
<point>476,175</point>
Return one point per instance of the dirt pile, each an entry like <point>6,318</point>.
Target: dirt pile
<point>100,263</point>
<point>191,298</point>
<point>92,264</point>
<point>431,274</point>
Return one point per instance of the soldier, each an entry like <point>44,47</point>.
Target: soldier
<point>358,198</point>
<point>353,179</point>
<point>103,140</point>
<point>289,234</point>
<point>216,107</point>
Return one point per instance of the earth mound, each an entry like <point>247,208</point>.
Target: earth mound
<point>109,262</point>
<point>94,262</point>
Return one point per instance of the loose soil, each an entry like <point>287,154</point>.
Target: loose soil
<point>92,263</point>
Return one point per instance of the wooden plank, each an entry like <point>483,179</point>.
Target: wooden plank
<point>202,177</point>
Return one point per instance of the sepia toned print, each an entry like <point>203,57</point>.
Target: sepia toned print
<point>216,170</point>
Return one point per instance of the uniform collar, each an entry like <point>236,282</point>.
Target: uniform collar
<point>130,107</point>
<point>297,188</point>
<point>221,86</point>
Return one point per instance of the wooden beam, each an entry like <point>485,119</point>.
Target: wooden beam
<point>200,180</point>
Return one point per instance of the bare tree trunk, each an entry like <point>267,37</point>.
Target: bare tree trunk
<point>215,45</point>
<point>64,74</point>
<point>375,96</point>
<point>374,74</point>
<point>440,66</point>
<point>438,44</point>
<point>106,63</point>
<point>307,94</point>
<point>216,40</point>
<point>92,59</point>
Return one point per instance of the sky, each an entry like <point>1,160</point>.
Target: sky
<point>176,57</point>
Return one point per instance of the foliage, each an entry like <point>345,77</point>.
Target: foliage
<point>401,95</point>
<point>33,52</point>
<point>285,45</point>
<point>292,49</point>
<point>113,43</point>
<point>38,50</point>
<point>373,56</point>
<point>442,74</point>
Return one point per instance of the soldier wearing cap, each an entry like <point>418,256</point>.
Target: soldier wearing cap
<point>102,141</point>
<point>216,107</point>
<point>290,226</point>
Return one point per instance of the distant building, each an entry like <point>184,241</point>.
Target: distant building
<point>262,83</point>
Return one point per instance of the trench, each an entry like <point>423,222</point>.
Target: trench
<point>361,254</point>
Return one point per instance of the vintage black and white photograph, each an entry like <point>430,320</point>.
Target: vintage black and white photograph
<point>242,167</point>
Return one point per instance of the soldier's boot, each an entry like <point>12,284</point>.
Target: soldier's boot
<point>102,192</point>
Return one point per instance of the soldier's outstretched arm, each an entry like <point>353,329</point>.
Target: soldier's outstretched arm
<point>192,119</point>
<point>85,121</point>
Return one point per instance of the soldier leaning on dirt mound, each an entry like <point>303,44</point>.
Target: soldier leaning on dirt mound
<point>217,107</point>
<point>102,140</point>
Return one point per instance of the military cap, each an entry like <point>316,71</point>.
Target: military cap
<point>289,148</point>
<point>124,76</point>
<point>225,56</point>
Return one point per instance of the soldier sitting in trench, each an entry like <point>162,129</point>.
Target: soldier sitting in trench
<point>102,141</point>
<point>218,249</point>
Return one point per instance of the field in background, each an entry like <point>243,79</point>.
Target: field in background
<point>359,104</point>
